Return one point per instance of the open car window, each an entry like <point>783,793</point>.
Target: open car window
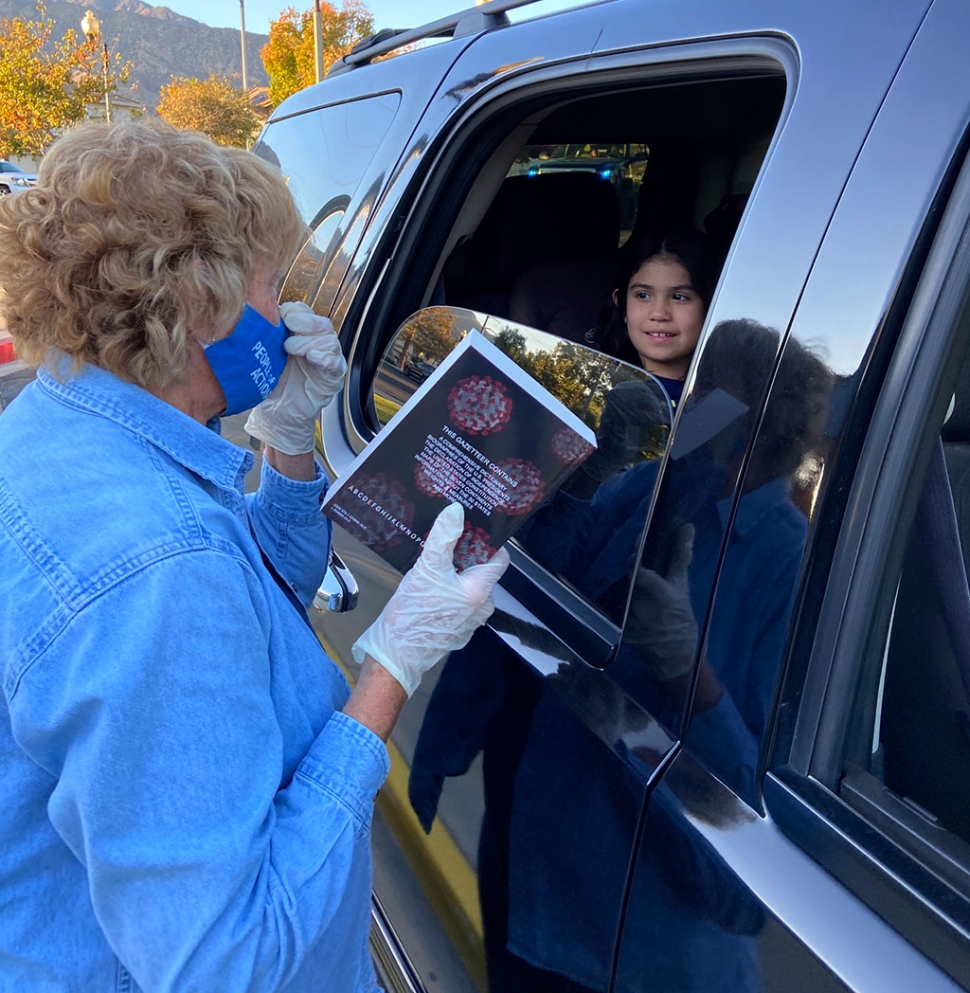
<point>623,404</point>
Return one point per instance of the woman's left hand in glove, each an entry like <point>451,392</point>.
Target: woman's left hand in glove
<point>287,419</point>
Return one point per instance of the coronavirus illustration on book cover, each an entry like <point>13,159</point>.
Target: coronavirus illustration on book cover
<point>479,431</point>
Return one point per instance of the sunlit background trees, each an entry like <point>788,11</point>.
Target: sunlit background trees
<point>48,83</point>
<point>51,79</point>
<point>289,55</point>
<point>213,106</point>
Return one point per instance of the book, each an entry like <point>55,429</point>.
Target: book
<point>480,431</point>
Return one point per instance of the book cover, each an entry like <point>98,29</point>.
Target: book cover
<point>479,431</point>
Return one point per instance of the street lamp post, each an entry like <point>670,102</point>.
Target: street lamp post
<point>242,44</point>
<point>317,42</point>
<point>91,27</point>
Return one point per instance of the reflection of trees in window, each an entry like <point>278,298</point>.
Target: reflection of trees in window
<point>575,376</point>
<point>302,273</point>
<point>511,342</point>
<point>429,339</point>
<point>562,374</point>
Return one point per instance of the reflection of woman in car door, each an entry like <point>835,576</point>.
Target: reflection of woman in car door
<point>695,935</point>
<point>554,918</point>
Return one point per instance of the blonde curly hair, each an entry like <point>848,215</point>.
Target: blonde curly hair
<point>136,235</point>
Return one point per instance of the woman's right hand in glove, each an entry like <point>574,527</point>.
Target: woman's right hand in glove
<point>435,609</point>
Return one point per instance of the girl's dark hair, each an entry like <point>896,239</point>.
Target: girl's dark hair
<point>740,357</point>
<point>690,248</point>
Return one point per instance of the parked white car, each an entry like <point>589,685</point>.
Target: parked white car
<point>13,179</point>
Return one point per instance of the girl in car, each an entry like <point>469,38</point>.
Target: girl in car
<point>659,306</point>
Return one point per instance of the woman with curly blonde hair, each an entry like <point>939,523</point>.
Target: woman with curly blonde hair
<point>188,780</point>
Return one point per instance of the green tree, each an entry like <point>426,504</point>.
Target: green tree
<point>430,336</point>
<point>511,342</point>
<point>46,84</point>
<point>288,55</point>
<point>213,106</point>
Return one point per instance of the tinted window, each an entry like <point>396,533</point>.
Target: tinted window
<point>624,405</point>
<point>908,759</point>
<point>325,153</point>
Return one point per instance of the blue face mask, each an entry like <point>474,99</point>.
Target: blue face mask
<point>249,363</point>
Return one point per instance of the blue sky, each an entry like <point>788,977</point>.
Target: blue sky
<point>387,13</point>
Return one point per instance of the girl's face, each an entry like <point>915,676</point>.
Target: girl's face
<point>664,315</point>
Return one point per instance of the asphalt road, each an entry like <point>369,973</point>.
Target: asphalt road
<point>13,378</point>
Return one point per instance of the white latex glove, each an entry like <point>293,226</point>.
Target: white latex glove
<point>287,418</point>
<point>435,610</point>
<point>661,625</point>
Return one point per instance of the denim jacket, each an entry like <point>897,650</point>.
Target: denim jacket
<point>185,808</point>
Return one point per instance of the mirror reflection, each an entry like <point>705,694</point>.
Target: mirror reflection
<point>579,377</point>
<point>623,404</point>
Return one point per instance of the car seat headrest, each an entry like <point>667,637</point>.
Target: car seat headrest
<point>542,218</point>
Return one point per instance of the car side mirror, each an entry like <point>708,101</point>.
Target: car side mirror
<point>578,376</point>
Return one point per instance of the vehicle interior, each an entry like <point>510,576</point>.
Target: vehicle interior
<point>542,248</point>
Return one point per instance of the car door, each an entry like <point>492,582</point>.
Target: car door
<point>844,865</point>
<point>338,147</point>
<point>505,832</point>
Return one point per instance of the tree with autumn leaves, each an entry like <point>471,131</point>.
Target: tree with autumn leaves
<point>213,106</point>
<point>288,56</point>
<point>47,83</point>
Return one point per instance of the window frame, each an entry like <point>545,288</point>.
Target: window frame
<point>468,142</point>
<point>310,276</point>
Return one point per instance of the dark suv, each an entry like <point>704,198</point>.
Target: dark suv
<point>788,809</point>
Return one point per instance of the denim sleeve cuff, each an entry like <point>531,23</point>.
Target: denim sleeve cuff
<point>292,501</point>
<point>349,761</point>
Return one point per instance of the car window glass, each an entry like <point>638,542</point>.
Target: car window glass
<point>626,407</point>
<point>910,758</point>
<point>305,271</point>
<point>324,153</point>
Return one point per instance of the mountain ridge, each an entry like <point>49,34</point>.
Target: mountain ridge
<point>157,41</point>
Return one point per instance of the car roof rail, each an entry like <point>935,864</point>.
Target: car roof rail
<point>471,20</point>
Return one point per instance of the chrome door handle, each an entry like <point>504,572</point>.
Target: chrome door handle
<point>338,591</point>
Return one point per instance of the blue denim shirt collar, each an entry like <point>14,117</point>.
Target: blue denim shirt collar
<point>196,446</point>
